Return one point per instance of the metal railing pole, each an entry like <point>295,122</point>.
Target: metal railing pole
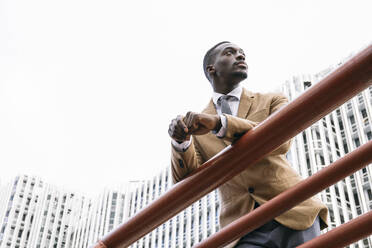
<point>305,189</point>
<point>342,84</point>
<point>343,235</point>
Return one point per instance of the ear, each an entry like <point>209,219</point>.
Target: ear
<point>211,70</point>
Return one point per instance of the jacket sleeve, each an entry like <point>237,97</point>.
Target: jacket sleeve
<point>183,163</point>
<point>236,126</point>
<point>279,101</point>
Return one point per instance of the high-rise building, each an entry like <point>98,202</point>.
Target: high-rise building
<point>330,138</point>
<point>35,214</point>
<point>187,228</point>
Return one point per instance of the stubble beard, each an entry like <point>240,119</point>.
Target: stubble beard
<point>240,74</point>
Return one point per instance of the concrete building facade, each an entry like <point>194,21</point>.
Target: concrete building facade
<point>330,138</point>
<point>187,228</point>
<point>35,214</point>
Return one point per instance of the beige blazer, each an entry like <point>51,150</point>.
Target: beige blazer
<point>260,182</point>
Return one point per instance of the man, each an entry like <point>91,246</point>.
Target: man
<point>231,112</point>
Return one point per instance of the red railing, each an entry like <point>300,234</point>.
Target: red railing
<point>343,235</point>
<point>307,188</point>
<point>339,86</point>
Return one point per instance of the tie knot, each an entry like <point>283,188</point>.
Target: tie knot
<point>225,98</point>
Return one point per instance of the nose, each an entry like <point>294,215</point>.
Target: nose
<point>240,56</point>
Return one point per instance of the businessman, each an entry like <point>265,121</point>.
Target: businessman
<point>231,112</point>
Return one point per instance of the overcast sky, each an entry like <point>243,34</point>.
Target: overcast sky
<point>88,88</point>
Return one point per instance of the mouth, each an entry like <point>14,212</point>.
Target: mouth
<point>241,65</point>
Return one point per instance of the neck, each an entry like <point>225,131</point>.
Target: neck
<point>224,87</point>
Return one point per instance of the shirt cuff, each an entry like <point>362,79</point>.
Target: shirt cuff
<point>221,133</point>
<point>181,147</point>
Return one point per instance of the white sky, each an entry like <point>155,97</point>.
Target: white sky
<point>88,88</point>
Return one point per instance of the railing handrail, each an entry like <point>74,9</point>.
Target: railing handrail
<point>343,235</point>
<point>305,189</point>
<point>339,86</point>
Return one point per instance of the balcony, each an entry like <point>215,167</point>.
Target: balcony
<point>366,122</point>
<point>366,178</point>
<point>354,128</point>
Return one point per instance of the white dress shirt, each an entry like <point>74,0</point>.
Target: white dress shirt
<point>234,105</point>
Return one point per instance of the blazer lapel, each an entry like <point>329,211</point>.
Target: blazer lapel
<point>246,100</point>
<point>210,109</point>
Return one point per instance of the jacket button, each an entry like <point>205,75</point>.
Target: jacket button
<point>180,162</point>
<point>251,190</point>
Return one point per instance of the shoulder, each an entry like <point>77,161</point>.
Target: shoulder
<point>277,97</point>
<point>272,95</point>
<point>266,96</point>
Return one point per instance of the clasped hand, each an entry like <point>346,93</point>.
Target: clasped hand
<point>182,127</point>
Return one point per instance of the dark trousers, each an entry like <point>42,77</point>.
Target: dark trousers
<point>275,235</point>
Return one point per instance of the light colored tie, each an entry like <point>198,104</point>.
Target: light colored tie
<point>225,107</point>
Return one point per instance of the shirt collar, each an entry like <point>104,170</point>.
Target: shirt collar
<point>237,92</point>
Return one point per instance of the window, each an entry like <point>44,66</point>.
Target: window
<point>352,119</point>
<point>322,160</point>
<point>341,125</point>
<point>356,199</point>
<point>346,196</point>
<point>337,192</point>
<point>336,145</point>
<point>364,113</point>
<point>342,219</point>
<point>346,149</point>
<point>369,194</point>
<point>360,98</point>
<point>369,135</point>
<point>317,135</point>
<point>304,136</point>
<point>357,142</point>
<point>307,84</point>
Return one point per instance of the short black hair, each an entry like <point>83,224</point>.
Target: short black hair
<point>210,56</point>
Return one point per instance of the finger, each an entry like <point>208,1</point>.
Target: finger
<point>191,117</point>
<point>180,136</point>
<point>173,127</point>
<point>176,130</point>
<point>194,122</point>
<point>179,131</point>
<point>181,124</point>
<point>187,118</point>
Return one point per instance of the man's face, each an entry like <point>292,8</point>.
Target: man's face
<point>230,62</point>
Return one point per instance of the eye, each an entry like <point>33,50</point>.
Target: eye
<point>228,53</point>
